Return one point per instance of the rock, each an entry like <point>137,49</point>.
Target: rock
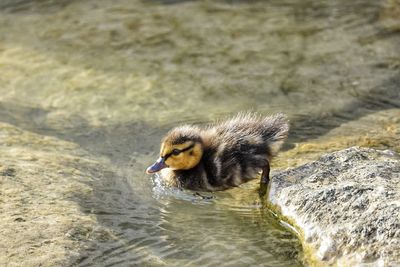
<point>42,222</point>
<point>346,207</point>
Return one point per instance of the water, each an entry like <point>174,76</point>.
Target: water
<point>114,76</point>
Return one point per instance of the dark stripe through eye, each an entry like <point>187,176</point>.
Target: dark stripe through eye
<point>176,152</point>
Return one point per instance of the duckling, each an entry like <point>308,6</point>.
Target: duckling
<point>221,155</point>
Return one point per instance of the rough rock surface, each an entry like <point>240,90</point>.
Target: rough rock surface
<point>346,205</point>
<point>42,180</point>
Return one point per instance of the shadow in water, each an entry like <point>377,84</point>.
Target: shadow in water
<point>115,203</point>
<point>118,142</point>
<point>169,2</point>
<point>386,96</point>
<point>41,6</point>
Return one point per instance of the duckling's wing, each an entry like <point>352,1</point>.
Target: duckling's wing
<point>246,142</point>
<point>251,128</point>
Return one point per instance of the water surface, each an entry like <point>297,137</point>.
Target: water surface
<point>114,76</point>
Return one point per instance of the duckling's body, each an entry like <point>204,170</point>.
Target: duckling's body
<point>222,155</point>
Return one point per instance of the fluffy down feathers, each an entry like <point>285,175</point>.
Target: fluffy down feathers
<point>224,154</point>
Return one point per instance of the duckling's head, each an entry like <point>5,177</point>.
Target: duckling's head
<point>181,149</point>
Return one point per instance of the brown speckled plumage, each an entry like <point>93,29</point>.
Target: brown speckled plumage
<point>224,154</point>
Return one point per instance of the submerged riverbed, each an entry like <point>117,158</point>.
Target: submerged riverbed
<point>106,79</point>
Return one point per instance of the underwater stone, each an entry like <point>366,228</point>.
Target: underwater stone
<point>42,221</point>
<point>346,205</point>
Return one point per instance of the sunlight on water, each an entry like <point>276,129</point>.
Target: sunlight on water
<point>115,76</point>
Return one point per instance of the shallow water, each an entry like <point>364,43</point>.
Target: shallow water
<point>114,76</point>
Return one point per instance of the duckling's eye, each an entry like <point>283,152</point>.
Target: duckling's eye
<point>176,152</point>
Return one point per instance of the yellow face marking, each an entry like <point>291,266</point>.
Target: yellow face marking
<point>167,148</point>
<point>186,159</point>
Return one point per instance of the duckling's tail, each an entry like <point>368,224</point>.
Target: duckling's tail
<point>276,131</point>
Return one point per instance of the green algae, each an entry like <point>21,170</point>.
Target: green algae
<point>378,130</point>
<point>111,78</point>
<point>308,251</point>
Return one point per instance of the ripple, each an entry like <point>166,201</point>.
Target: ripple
<point>116,80</point>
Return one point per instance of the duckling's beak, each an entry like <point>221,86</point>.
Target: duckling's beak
<point>157,166</point>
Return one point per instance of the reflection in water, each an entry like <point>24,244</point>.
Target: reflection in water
<point>115,76</point>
